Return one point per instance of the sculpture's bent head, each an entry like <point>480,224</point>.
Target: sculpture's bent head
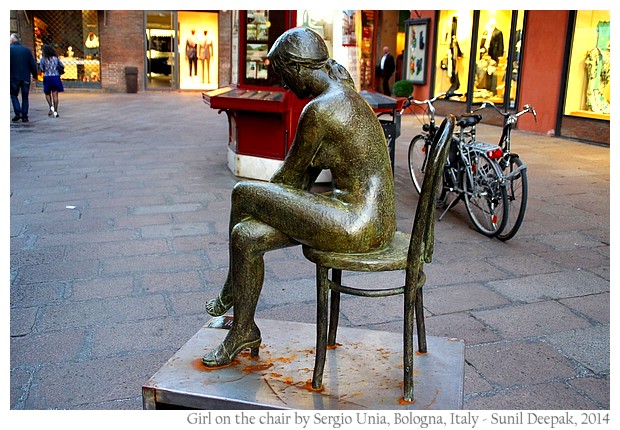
<point>297,47</point>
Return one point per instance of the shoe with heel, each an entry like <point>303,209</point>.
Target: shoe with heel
<point>217,307</point>
<point>220,356</point>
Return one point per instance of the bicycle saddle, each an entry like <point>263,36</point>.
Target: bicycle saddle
<point>468,120</point>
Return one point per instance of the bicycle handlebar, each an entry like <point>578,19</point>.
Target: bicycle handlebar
<point>429,102</point>
<point>527,108</point>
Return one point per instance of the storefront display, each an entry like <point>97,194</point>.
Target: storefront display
<point>257,48</point>
<point>160,57</point>
<point>588,83</point>
<point>77,46</point>
<point>197,50</point>
<point>453,51</point>
<point>259,29</point>
<point>479,53</point>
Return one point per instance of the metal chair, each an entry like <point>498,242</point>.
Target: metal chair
<point>406,252</point>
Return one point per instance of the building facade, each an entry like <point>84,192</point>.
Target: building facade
<point>557,61</point>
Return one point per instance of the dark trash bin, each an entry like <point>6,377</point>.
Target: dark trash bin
<point>391,129</point>
<point>387,111</point>
<point>131,79</point>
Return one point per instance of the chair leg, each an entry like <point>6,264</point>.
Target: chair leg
<point>409,302</point>
<point>419,316</point>
<point>321,326</point>
<point>334,311</point>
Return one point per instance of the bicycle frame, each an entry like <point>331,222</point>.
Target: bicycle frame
<point>468,150</point>
<point>475,178</point>
<point>513,172</point>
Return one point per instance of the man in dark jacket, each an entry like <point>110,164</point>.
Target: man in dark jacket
<point>23,66</point>
<point>388,65</point>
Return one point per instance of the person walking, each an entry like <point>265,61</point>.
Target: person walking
<point>388,65</point>
<point>50,65</point>
<point>23,65</point>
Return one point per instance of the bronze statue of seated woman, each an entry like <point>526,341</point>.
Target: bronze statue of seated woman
<point>338,131</point>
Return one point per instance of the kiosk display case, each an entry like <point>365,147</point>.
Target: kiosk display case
<point>262,114</point>
<point>262,125</point>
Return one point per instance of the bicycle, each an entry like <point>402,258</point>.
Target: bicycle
<point>514,172</point>
<point>471,173</point>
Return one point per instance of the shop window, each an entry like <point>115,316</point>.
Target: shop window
<point>198,56</point>
<point>262,28</point>
<point>74,34</point>
<point>588,83</point>
<point>514,59</point>
<point>492,71</point>
<point>453,51</point>
<point>478,54</point>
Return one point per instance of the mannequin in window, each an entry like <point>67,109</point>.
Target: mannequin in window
<point>495,50</point>
<point>191,53</point>
<point>598,71</point>
<point>91,45</point>
<point>496,43</point>
<point>454,53</point>
<point>205,52</point>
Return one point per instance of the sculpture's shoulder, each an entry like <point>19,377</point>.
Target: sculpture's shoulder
<point>339,97</point>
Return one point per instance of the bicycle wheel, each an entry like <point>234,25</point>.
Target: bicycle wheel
<point>516,190</point>
<point>485,197</point>
<point>418,155</point>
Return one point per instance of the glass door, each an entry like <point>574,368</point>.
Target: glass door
<point>160,50</point>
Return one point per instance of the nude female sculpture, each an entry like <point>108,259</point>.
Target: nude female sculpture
<point>337,130</point>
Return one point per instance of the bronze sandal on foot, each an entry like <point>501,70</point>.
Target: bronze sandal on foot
<point>221,357</point>
<point>216,307</point>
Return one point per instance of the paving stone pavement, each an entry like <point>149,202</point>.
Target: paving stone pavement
<point>118,225</point>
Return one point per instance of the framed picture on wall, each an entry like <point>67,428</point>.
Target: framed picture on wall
<point>416,50</point>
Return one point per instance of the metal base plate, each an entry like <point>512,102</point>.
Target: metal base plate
<point>364,371</point>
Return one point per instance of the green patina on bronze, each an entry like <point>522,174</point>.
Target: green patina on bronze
<point>338,131</point>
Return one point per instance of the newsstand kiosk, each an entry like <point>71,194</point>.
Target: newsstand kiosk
<point>262,115</point>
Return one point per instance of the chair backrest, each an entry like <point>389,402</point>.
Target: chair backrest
<point>423,232</point>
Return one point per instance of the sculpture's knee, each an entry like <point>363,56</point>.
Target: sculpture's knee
<point>245,237</point>
<point>240,194</point>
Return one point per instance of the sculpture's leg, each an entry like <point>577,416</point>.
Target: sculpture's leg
<point>249,240</point>
<point>223,302</point>
<point>242,208</point>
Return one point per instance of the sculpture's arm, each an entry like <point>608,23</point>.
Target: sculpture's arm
<point>297,168</point>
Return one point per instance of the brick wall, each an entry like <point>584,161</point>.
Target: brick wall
<point>225,32</point>
<point>23,25</point>
<point>122,44</point>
